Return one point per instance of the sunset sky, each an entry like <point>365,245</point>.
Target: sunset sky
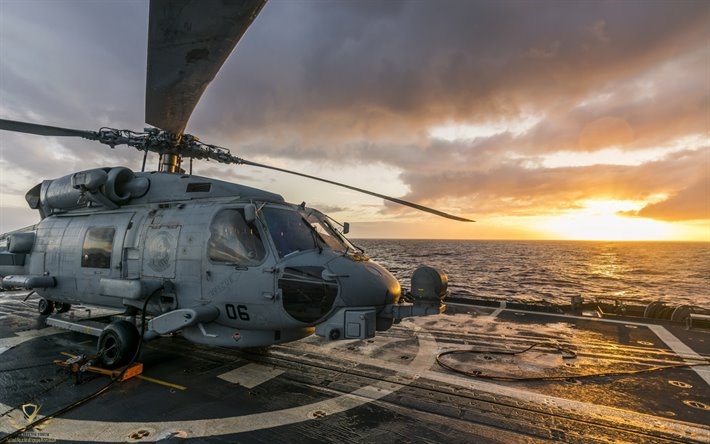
<point>539,119</point>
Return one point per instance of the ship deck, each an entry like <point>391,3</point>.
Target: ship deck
<point>523,376</point>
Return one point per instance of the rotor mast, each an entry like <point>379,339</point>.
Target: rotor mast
<point>170,163</point>
<point>171,160</point>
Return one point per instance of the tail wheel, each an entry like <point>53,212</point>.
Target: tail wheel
<point>118,343</point>
<point>45,307</point>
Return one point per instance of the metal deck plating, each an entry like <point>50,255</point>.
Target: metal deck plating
<point>388,388</point>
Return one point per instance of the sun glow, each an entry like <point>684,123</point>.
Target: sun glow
<point>603,220</point>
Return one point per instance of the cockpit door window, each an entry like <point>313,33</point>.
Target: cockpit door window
<point>234,241</point>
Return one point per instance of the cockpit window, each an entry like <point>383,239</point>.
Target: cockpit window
<point>289,230</point>
<point>234,241</point>
<point>325,231</point>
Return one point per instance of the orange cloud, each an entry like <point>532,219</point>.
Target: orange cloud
<point>605,132</point>
<point>690,203</point>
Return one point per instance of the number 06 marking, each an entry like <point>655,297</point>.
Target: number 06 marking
<point>240,312</point>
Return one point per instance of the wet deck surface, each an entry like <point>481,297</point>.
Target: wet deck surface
<point>388,389</point>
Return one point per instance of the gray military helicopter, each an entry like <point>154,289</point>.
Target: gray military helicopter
<point>226,264</point>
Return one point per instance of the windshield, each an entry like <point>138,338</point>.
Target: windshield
<point>302,230</point>
<point>289,230</point>
<point>325,231</point>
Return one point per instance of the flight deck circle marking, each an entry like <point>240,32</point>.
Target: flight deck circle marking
<point>691,431</point>
<point>86,430</point>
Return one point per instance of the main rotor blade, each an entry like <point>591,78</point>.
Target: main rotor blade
<point>360,190</point>
<point>188,41</point>
<point>45,130</point>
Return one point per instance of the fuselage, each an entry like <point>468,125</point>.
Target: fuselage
<point>269,267</point>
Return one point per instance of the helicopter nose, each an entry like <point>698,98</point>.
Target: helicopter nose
<point>363,283</point>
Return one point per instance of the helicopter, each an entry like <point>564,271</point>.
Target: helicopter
<point>222,263</point>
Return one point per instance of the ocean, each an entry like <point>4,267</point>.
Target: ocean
<point>552,271</point>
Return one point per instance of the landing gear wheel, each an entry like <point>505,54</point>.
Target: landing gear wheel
<point>45,307</point>
<point>118,343</point>
<point>62,307</point>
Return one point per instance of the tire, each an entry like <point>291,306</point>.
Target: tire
<point>45,307</point>
<point>62,307</point>
<point>118,343</point>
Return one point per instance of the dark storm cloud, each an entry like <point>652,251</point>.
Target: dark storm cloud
<point>68,64</point>
<point>365,82</point>
<point>74,63</point>
<point>339,70</point>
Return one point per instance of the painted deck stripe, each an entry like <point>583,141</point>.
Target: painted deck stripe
<point>101,431</point>
<point>62,428</point>
<point>499,310</point>
<point>251,375</point>
<point>682,350</point>
<point>22,336</point>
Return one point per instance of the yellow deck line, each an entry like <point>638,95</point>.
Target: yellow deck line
<point>161,382</point>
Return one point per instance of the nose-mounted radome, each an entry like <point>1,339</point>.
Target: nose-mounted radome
<point>313,293</point>
<point>327,281</point>
<point>364,283</point>
<point>360,321</point>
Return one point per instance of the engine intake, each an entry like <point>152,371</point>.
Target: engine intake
<point>109,187</point>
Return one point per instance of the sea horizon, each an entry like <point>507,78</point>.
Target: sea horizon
<point>552,271</point>
<point>533,240</point>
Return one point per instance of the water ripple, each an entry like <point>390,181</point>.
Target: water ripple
<point>641,272</point>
